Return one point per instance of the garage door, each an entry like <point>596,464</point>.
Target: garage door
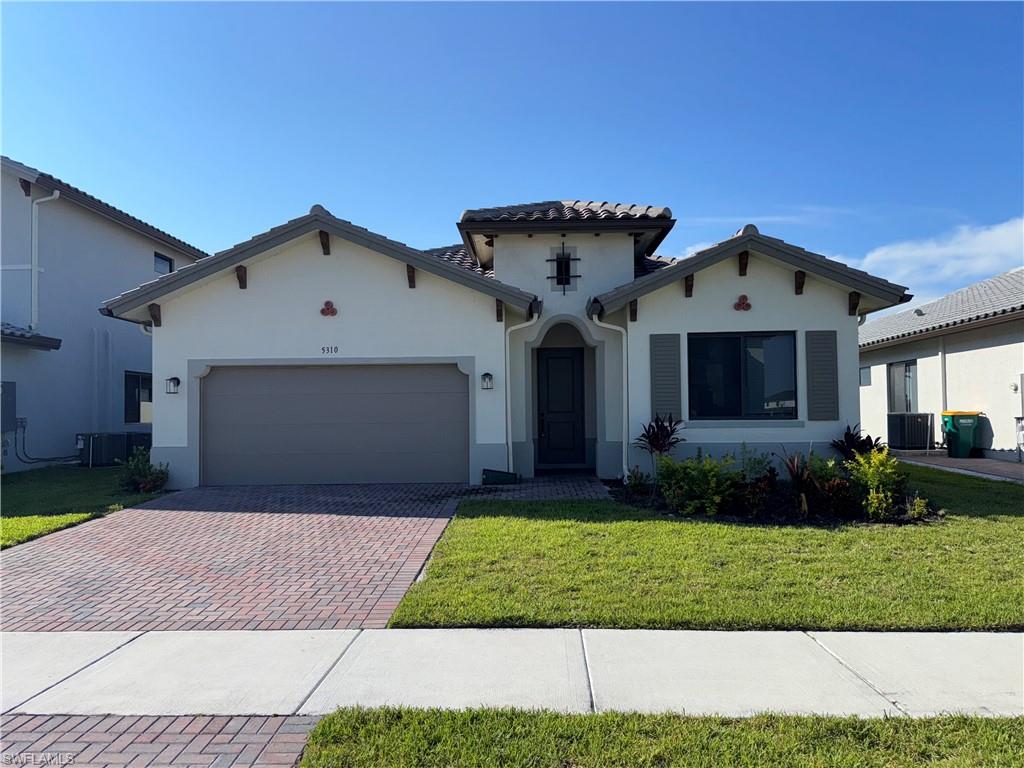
<point>335,424</point>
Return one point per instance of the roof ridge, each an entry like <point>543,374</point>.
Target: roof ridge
<point>51,182</point>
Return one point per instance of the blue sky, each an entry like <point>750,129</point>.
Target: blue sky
<point>889,136</point>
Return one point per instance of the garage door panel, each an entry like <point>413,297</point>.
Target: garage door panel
<point>237,410</point>
<point>254,439</point>
<point>359,467</point>
<point>335,424</point>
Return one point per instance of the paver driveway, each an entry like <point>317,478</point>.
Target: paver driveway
<point>277,557</point>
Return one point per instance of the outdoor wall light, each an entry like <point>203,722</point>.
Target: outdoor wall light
<point>171,385</point>
<point>486,381</point>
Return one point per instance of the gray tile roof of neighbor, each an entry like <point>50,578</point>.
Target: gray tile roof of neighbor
<point>15,334</point>
<point>94,204</point>
<point>566,210</point>
<point>651,277</point>
<point>999,295</point>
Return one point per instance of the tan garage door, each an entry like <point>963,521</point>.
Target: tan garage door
<point>335,424</point>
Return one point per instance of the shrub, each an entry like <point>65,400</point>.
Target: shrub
<point>917,509</point>
<point>854,442</point>
<point>798,470</point>
<point>876,476</point>
<point>698,485</point>
<point>637,480</point>
<point>140,475</point>
<point>658,438</point>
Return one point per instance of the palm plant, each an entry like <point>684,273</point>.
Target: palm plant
<point>658,438</point>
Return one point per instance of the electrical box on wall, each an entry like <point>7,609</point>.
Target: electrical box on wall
<point>8,406</point>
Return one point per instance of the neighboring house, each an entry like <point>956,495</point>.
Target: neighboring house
<point>963,352</point>
<point>66,370</point>
<point>321,352</point>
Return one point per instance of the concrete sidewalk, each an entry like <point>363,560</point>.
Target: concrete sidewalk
<point>313,672</point>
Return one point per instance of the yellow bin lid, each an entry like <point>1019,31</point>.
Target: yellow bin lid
<point>961,413</point>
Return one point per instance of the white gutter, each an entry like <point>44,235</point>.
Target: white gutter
<point>34,321</point>
<point>625,390</point>
<point>508,389</point>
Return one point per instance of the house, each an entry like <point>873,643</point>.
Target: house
<point>65,369</point>
<point>963,352</point>
<point>321,352</point>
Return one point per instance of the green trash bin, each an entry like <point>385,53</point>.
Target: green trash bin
<point>960,428</point>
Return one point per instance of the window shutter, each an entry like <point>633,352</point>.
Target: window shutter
<point>822,376</point>
<point>666,395</point>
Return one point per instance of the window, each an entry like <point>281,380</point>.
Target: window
<point>162,265</point>
<point>138,398</point>
<point>865,376</point>
<point>903,387</point>
<point>742,375</point>
<point>564,263</point>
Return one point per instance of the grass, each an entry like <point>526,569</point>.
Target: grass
<point>603,564</point>
<point>42,501</point>
<point>361,738</point>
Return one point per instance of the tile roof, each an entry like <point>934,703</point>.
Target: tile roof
<point>649,264</point>
<point>566,210</point>
<point>76,195</point>
<point>998,295</point>
<point>27,336</point>
<point>460,256</point>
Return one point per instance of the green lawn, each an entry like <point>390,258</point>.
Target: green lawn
<point>41,501</point>
<point>360,738</point>
<point>603,564</point>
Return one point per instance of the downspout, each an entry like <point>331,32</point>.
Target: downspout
<point>535,316</point>
<point>942,370</point>
<point>34,316</point>
<point>625,389</point>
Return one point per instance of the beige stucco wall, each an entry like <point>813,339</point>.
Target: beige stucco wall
<point>774,307</point>
<point>981,367</point>
<point>277,318</point>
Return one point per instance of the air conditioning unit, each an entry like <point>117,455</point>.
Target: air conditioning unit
<point>105,449</point>
<point>910,431</point>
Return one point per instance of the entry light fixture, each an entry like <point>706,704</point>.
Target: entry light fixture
<point>171,385</point>
<point>486,381</point>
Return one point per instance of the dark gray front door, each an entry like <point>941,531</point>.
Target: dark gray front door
<point>560,407</point>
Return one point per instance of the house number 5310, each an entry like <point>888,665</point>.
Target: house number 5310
<point>329,350</point>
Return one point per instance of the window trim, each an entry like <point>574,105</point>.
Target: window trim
<point>157,257</point>
<point>564,255</point>
<point>743,376</point>
<point>141,375</point>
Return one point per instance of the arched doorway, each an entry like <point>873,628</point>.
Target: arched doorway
<point>565,426</point>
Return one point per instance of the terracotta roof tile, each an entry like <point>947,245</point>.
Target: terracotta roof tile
<point>566,210</point>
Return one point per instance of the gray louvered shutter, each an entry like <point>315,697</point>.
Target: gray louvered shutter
<point>822,376</point>
<point>666,395</point>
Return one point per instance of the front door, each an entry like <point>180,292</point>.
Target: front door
<point>560,409</point>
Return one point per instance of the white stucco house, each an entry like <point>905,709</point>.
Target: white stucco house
<point>321,352</point>
<point>963,352</point>
<point>65,369</point>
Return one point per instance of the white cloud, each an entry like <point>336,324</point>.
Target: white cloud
<point>809,215</point>
<point>939,265</point>
<point>692,249</point>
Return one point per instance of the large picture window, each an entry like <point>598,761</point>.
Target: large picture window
<point>742,375</point>
<point>138,397</point>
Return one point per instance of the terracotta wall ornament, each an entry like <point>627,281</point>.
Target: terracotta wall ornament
<point>328,309</point>
<point>742,304</point>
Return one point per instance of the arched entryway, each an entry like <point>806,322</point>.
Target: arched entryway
<point>564,386</point>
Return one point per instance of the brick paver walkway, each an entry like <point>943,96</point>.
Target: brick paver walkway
<point>280,557</point>
<point>272,557</point>
<point>173,742</point>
